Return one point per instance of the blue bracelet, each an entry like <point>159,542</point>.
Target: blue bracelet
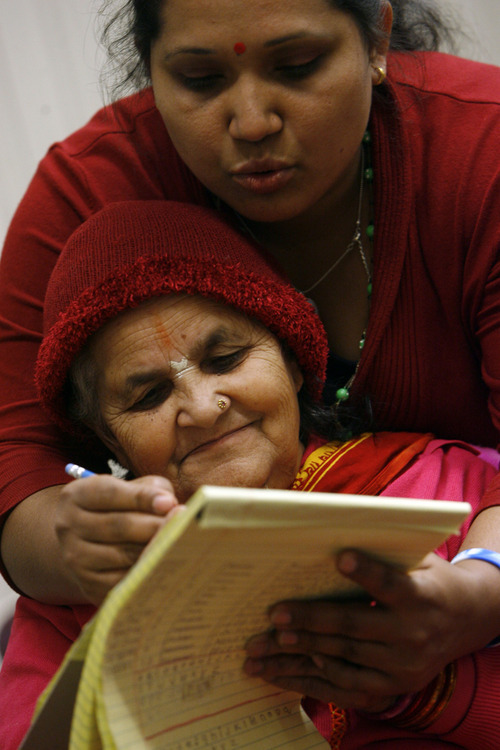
<point>486,555</point>
<point>478,553</point>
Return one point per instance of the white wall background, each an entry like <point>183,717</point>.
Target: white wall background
<point>49,63</point>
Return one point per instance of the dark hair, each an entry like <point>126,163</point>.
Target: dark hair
<point>130,31</point>
<point>417,24</point>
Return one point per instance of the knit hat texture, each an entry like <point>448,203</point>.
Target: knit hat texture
<point>130,252</point>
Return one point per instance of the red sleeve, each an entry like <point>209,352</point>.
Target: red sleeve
<point>472,718</point>
<point>488,332</point>
<point>123,153</point>
<point>31,451</point>
<point>40,637</point>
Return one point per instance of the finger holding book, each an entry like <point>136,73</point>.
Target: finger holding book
<point>353,653</point>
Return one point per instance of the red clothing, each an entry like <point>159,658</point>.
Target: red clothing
<point>40,636</point>
<point>434,330</point>
<point>444,470</point>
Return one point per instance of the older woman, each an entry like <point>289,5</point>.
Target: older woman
<point>175,347</point>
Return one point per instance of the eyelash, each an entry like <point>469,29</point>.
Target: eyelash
<point>201,83</point>
<point>303,70</point>
<point>153,397</point>
<point>214,365</point>
<point>290,72</point>
<point>225,363</point>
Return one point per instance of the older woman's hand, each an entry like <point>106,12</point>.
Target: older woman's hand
<point>362,654</point>
<point>103,524</point>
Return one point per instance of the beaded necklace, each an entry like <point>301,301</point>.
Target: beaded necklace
<point>343,393</point>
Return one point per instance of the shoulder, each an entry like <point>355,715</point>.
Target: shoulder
<point>448,470</point>
<point>131,117</point>
<point>447,76</point>
<point>446,100</point>
<point>438,117</point>
<point>123,153</point>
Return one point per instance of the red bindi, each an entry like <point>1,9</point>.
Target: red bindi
<point>240,48</point>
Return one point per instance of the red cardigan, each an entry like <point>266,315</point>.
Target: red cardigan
<point>432,357</point>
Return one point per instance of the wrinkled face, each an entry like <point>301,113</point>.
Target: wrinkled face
<point>164,371</point>
<point>266,101</point>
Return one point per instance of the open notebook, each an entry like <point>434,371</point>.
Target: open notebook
<point>160,665</point>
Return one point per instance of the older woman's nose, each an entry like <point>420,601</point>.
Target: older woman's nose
<point>202,408</point>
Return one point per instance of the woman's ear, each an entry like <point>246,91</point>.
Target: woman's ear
<point>108,439</point>
<point>378,57</point>
<point>297,377</point>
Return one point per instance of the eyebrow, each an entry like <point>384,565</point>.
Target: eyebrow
<point>189,51</point>
<point>219,336</point>
<point>289,38</point>
<point>137,379</point>
<point>271,43</point>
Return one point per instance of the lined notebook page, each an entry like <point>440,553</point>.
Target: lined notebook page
<point>167,672</point>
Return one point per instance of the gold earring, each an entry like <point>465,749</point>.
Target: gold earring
<point>221,404</point>
<point>382,75</point>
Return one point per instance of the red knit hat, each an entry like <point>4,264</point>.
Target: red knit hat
<point>130,252</point>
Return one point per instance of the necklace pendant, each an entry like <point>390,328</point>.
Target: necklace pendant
<point>342,394</point>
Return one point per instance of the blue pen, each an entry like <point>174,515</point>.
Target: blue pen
<point>78,472</point>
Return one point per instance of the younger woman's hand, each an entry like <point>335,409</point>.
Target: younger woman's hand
<point>362,654</point>
<point>103,525</point>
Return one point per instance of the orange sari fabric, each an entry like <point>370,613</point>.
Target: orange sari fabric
<point>364,465</point>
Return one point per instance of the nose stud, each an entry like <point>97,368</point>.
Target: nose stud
<point>221,404</point>
<point>239,48</point>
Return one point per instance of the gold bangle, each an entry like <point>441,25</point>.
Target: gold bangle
<point>431,703</point>
<point>423,703</point>
<point>443,700</point>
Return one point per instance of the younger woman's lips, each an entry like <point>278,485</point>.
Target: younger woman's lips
<point>266,182</point>
<point>262,176</point>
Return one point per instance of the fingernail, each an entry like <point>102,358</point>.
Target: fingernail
<point>163,502</point>
<point>320,663</point>
<point>281,617</point>
<point>347,562</point>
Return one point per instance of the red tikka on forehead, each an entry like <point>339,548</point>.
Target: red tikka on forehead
<point>240,48</point>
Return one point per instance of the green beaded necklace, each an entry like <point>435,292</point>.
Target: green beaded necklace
<point>342,394</point>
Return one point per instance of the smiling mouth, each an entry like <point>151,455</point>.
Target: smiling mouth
<point>215,441</point>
